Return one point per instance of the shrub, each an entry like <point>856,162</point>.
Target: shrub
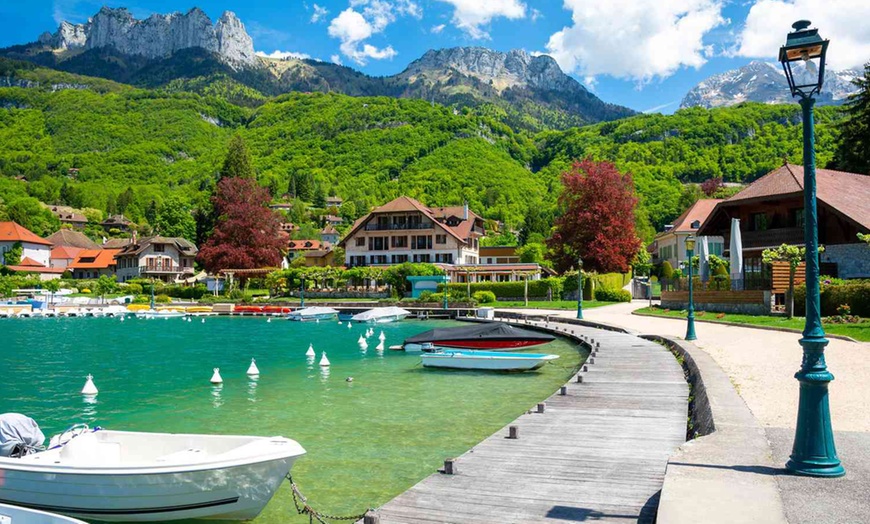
<point>856,295</point>
<point>133,289</point>
<point>162,299</point>
<point>720,316</point>
<point>537,288</point>
<point>667,270</point>
<point>425,296</point>
<point>605,294</point>
<point>483,297</point>
<point>142,299</point>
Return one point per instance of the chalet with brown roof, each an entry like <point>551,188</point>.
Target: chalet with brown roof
<point>332,220</point>
<point>297,248</point>
<point>670,244</point>
<point>72,238</point>
<point>70,216</point>
<point>118,222</point>
<point>404,230</point>
<point>771,213</point>
<point>334,201</point>
<point>162,258</point>
<point>94,263</point>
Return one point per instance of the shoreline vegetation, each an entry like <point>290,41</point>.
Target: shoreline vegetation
<point>858,331</point>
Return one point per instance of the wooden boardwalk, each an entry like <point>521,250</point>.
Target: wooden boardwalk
<point>597,453</point>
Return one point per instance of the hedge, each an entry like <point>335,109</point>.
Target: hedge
<point>595,280</point>
<point>856,295</point>
<point>507,290</point>
<point>606,294</point>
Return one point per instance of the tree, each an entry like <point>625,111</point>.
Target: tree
<point>247,234</point>
<point>536,226</point>
<point>52,286</point>
<point>853,151</point>
<point>13,256</point>
<point>864,238</point>
<point>125,199</point>
<point>28,213</point>
<point>237,163</point>
<point>598,219</point>
<point>319,197</point>
<point>711,186</point>
<point>505,238</point>
<point>151,212</point>
<point>104,285</point>
<point>174,219</point>
<point>793,256</point>
<point>532,253</point>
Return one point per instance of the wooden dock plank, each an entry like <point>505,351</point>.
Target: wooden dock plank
<point>597,453</point>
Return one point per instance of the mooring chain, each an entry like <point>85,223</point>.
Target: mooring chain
<point>304,508</point>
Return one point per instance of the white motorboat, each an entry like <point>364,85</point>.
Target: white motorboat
<point>485,360</point>
<point>116,311</point>
<point>160,313</point>
<point>15,515</point>
<point>315,313</point>
<point>381,315</point>
<point>122,476</point>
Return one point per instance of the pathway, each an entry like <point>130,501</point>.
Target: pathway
<point>597,453</point>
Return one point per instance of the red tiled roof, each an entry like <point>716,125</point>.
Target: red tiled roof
<point>306,245</point>
<point>847,193</point>
<point>95,259</point>
<point>65,252</point>
<point>13,232</point>
<point>699,211</point>
<point>28,265</point>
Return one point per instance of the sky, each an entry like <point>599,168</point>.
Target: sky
<point>644,54</point>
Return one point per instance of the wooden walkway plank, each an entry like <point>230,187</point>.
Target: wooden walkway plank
<point>597,453</point>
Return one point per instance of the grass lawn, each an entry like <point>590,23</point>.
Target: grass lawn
<point>546,304</point>
<point>860,331</point>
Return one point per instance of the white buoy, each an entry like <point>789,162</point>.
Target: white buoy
<point>122,318</point>
<point>361,340</point>
<point>268,320</point>
<point>364,345</point>
<point>216,378</point>
<point>324,362</point>
<point>310,352</point>
<point>253,371</point>
<point>348,325</point>
<point>382,337</point>
<point>203,321</point>
<point>90,389</point>
<point>380,347</point>
<point>317,321</point>
<point>339,322</point>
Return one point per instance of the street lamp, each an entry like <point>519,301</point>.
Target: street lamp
<point>579,287</point>
<point>813,452</point>
<point>690,327</point>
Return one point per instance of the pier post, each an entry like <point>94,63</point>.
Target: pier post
<point>579,378</point>
<point>563,390</point>
<point>513,432</point>
<point>371,517</point>
<point>450,466</point>
<point>541,407</point>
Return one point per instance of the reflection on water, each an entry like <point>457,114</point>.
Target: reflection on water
<point>217,401</point>
<point>324,373</point>
<point>89,412</point>
<point>252,388</point>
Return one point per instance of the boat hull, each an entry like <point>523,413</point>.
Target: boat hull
<point>489,361</point>
<point>489,344</point>
<point>231,493</point>
<point>31,516</point>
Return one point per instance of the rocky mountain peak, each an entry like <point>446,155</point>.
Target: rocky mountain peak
<point>159,35</point>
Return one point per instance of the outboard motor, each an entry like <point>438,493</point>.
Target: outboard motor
<point>19,435</point>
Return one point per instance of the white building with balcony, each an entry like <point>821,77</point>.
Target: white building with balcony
<point>161,258</point>
<point>404,230</point>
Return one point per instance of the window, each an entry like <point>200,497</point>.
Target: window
<point>360,241</point>
<point>422,258</point>
<point>399,242</point>
<point>159,248</point>
<point>716,248</point>
<point>759,222</point>
<point>399,259</point>
<point>440,239</point>
<point>358,260</point>
<point>421,242</point>
<point>378,244</point>
<point>378,259</point>
<point>445,258</point>
<point>489,260</point>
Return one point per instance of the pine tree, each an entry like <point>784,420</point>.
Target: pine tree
<point>853,151</point>
<point>237,163</point>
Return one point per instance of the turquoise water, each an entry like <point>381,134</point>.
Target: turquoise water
<point>367,440</point>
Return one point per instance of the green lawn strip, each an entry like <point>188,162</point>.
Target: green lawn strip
<point>546,304</point>
<point>860,331</point>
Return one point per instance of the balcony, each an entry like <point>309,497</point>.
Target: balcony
<point>769,237</point>
<point>398,227</point>
<point>164,269</point>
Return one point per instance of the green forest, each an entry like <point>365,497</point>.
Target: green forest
<point>93,143</point>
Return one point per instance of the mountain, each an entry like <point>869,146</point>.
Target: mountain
<point>158,36</point>
<point>764,82</point>
<point>188,52</point>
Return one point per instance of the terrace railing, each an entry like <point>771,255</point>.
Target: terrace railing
<point>398,227</point>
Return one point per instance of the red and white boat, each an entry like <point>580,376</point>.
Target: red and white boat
<point>488,336</point>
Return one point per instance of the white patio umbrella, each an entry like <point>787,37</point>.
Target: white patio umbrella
<point>736,257</point>
<point>703,256</point>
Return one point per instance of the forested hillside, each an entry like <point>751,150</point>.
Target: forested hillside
<point>93,143</point>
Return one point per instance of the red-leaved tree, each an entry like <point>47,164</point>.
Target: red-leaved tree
<point>247,234</point>
<point>711,185</point>
<point>598,220</point>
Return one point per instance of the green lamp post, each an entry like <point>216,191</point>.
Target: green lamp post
<point>690,326</point>
<point>813,452</point>
<point>579,287</point>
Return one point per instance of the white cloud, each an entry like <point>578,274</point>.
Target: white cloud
<point>471,15</point>
<point>845,22</point>
<point>319,13</point>
<point>283,54</point>
<point>635,39</point>
<point>362,20</point>
<point>535,15</point>
<point>335,59</point>
<point>436,29</point>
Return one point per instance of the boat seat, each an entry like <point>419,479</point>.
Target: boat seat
<point>87,449</point>
<point>185,456</point>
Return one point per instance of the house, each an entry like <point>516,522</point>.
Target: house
<point>94,263</point>
<point>334,201</point>
<point>63,256</point>
<point>69,216</point>
<point>329,235</point>
<point>118,222</point>
<point>670,244</point>
<point>771,213</point>
<point>404,230</point>
<point>289,227</point>
<point>35,251</point>
<point>72,238</point>
<point>35,248</point>
<point>297,248</point>
<point>281,206</point>
<point>332,220</point>
<point>319,258</point>
<point>499,255</point>
<point>116,243</point>
<point>162,258</point>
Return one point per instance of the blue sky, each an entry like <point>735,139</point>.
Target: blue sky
<point>644,54</point>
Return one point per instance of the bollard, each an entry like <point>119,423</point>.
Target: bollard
<point>541,407</point>
<point>513,432</point>
<point>579,378</point>
<point>585,369</point>
<point>371,517</point>
<point>598,345</point>
<point>563,390</point>
<point>450,466</point>
<point>590,360</point>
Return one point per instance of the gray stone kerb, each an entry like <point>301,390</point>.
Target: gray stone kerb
<point>728,474</point>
